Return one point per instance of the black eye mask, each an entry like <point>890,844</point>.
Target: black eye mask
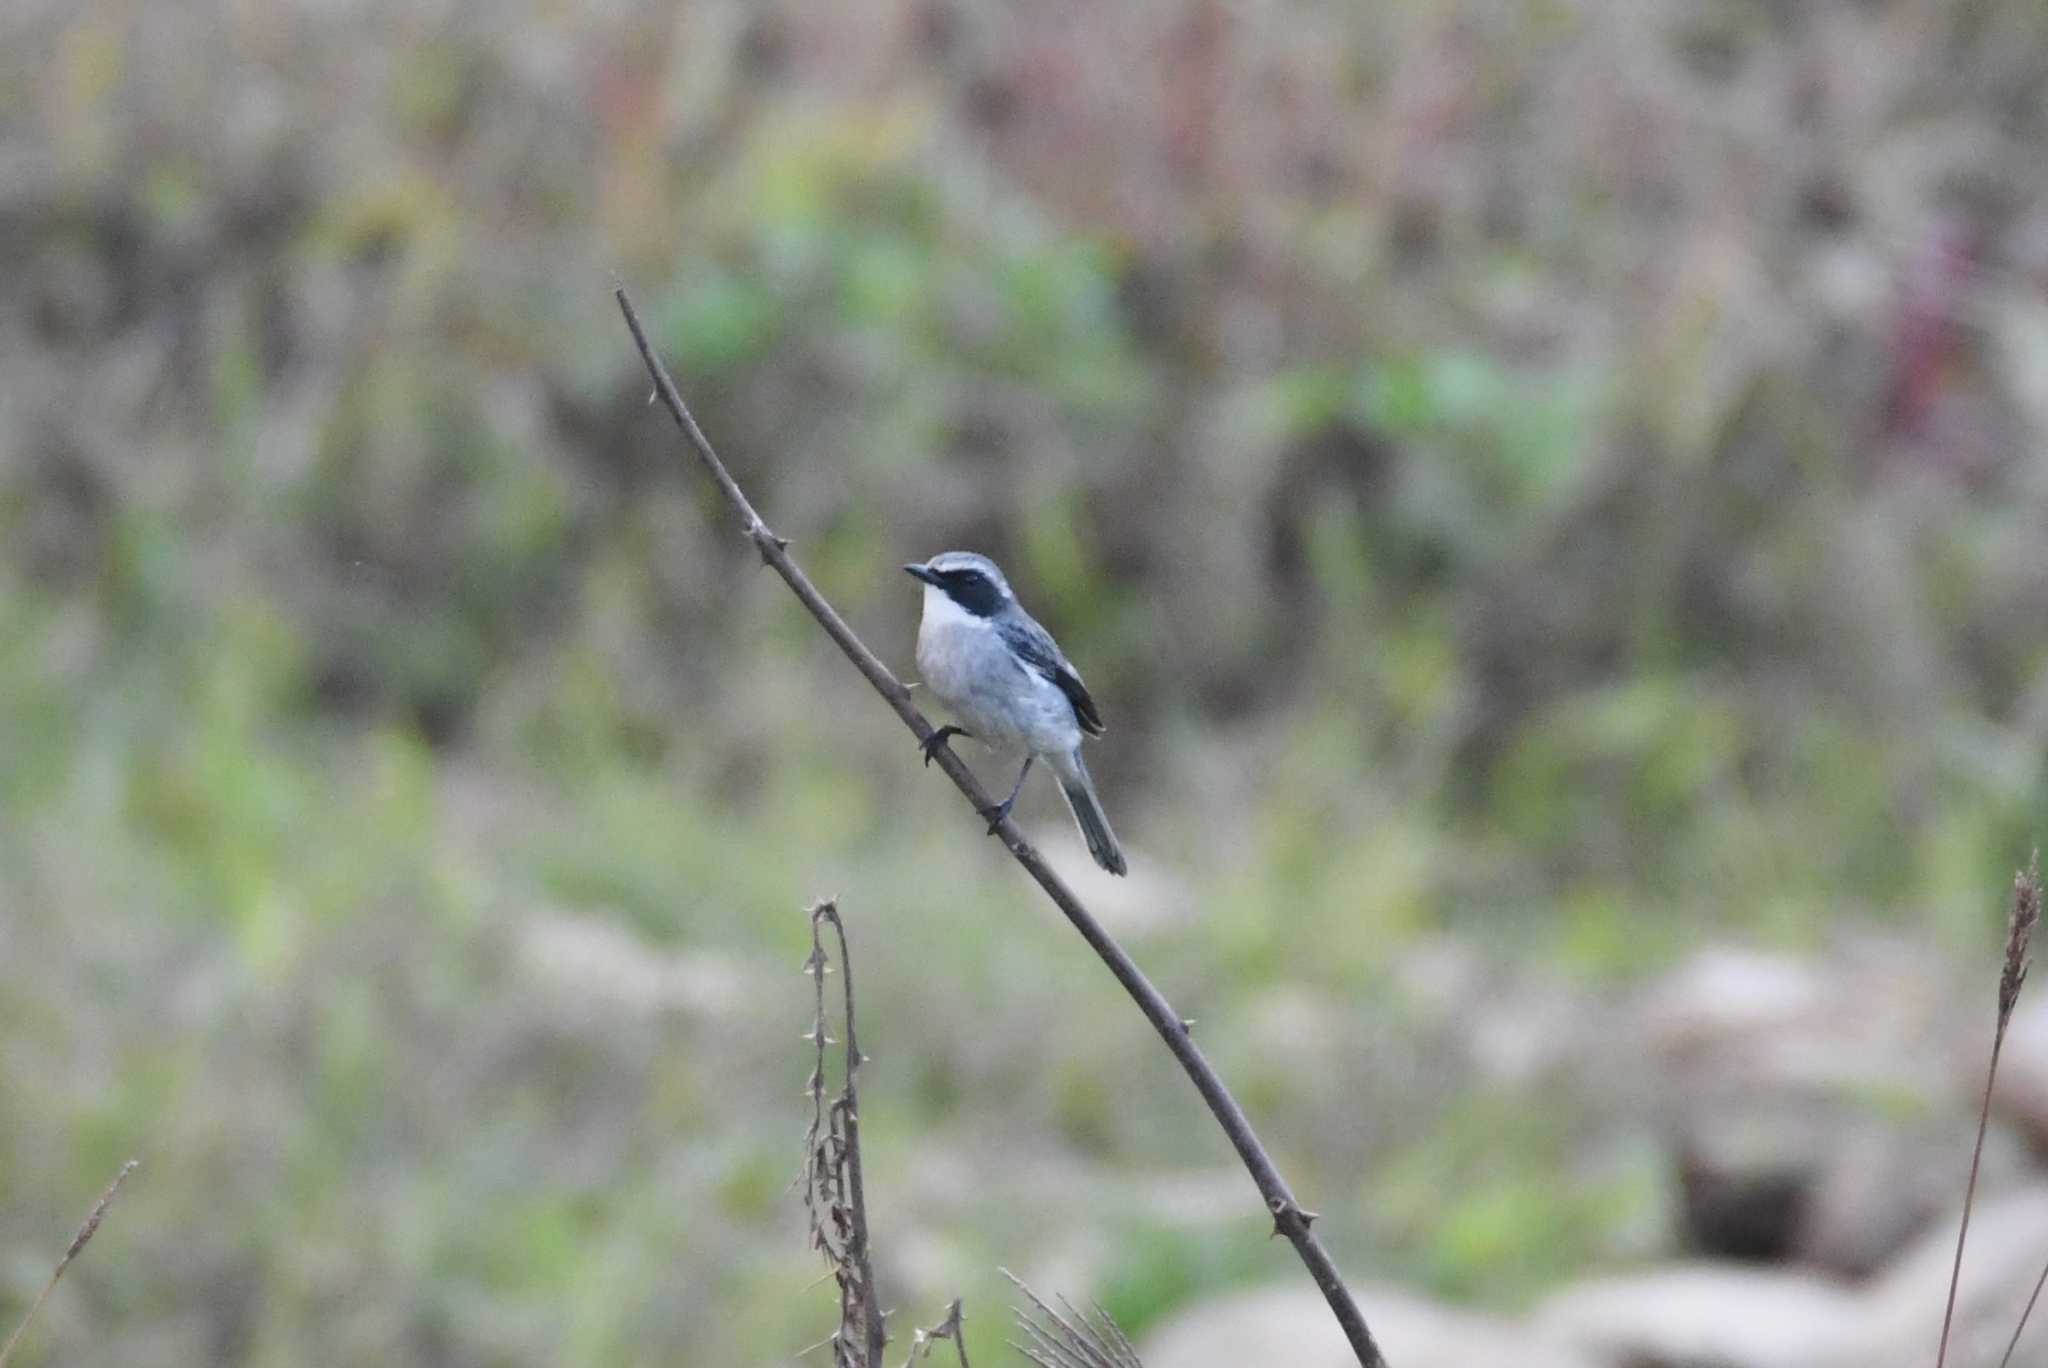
<point>973,591</point>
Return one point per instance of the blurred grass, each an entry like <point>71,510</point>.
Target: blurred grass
<point>1560,519</point>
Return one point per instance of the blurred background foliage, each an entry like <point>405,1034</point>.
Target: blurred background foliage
<point>1536,488</point>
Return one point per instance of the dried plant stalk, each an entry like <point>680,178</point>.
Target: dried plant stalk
<point>78,1244</point>
<point>1069,1338</point>
<point>2026,913</point>
<point>925,1341</point>
<point>834,1199</point>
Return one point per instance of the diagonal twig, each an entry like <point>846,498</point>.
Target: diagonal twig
<point>2025,1312</point>
<point>78,1243</point>
<point>1289,1217</point>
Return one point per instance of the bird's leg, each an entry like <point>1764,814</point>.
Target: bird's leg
<point>938,738</point>
<point>1001,810</point>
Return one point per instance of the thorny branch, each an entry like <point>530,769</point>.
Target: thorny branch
<point>1289,1218</point>
<point>833,1196</point>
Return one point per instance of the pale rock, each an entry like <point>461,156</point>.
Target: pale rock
<point>1835,1186</point>
<point>1292,1328</point>
<point>1808,1099</point>
<point>592,962</point>
<point>1708,1313</point>
<point>1866,1018</point>
<point>1878,1189</point>
<point>2007,1247</point>
<point>1728,992</point>
<point>2020,1097</point>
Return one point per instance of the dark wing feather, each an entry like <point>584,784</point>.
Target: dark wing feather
<point>1036,648</point>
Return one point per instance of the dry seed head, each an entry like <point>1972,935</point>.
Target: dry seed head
<point>2026,911</point>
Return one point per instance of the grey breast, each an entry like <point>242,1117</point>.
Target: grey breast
<point>1006,705</point>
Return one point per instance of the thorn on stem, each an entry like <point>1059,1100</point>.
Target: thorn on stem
<point>1283,1209</point>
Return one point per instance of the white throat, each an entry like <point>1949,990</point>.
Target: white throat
<point>941,613</point>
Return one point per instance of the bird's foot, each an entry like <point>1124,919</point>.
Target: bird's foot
<point>998,814</point>
<point>938,738</point>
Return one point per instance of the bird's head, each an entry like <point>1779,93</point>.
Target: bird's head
<point>974,582</point>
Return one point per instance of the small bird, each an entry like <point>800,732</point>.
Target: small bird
<point>1004,676</point>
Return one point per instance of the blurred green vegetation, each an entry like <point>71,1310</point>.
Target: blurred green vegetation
<point>1500,507</point>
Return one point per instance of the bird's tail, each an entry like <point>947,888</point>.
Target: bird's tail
<point>1087,809</point>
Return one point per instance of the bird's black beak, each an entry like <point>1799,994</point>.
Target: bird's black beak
<point>918,571</point>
